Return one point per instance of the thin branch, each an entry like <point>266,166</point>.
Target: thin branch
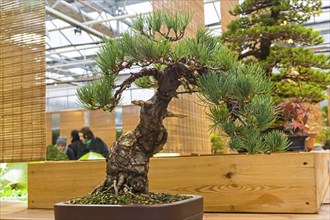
<point>258,6</point>
<point>128,82</point>
<point>185,92</point>
<point>166,36</point>
<point>177,115</point>
<point>138,102</point>
<point>248,53</point>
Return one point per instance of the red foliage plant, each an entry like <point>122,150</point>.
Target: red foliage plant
<point>294,117</point>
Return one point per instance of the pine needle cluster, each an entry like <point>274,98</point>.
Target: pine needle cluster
<point>241,106</point>
<point>154,42</point>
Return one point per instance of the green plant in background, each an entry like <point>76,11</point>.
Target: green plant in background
<point>325,117</point>
<point>242,107</point>
<point>53,154</point>
<point>13,181</point>
<point>271,32</point>
<point>324,137</point>
<point>217,145</point>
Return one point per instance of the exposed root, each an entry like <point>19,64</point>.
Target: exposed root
<point>97,189</point>
<point>127,189</point>
<point>115,187</point>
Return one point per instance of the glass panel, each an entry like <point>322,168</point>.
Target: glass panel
<point>73,102</point>
<point>57,104</point>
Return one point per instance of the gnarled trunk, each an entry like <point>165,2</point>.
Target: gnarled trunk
<point>128,159</point>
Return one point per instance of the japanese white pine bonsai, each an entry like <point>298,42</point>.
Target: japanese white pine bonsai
<point>173,66</point>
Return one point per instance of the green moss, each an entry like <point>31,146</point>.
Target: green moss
<point>128,198</point>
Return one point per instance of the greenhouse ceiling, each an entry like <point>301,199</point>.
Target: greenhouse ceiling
<point>74,29</point>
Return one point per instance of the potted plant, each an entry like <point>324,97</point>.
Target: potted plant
<point>293,119</point>
<point>156,57</point>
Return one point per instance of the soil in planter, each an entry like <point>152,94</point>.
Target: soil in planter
<point>128,198</point>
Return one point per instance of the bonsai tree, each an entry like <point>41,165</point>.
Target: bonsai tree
<point>272,33</point>
<point>156,55</point>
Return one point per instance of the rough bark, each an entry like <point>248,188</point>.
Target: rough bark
<point>128,159</point>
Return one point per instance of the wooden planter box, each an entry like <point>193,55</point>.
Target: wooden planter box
<point>282,183</point>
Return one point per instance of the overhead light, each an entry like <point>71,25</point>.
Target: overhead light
<point>77,31</point>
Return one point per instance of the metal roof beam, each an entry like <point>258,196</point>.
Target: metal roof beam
<point>80,16</point>
<point>71,50</point>
<point>117,18</point>
<point>71,64</point>
<point>74,22</point>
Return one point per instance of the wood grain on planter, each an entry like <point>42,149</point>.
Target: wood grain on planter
<point>282,182</point>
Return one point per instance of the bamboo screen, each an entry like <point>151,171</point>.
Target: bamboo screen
<point>190,134</point>
<point>226,17</point>
<point>22,87</point>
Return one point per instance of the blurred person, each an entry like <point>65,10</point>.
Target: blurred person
<point>75,142</point>
<point>90,143</point>
<point>62,147</point>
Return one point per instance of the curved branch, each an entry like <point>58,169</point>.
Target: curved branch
<point>256,7</point>
<point>176,38</point>
<point>246,54</point>
<point>134,76</point>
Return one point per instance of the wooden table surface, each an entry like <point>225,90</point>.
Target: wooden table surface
<point>15,210</point>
